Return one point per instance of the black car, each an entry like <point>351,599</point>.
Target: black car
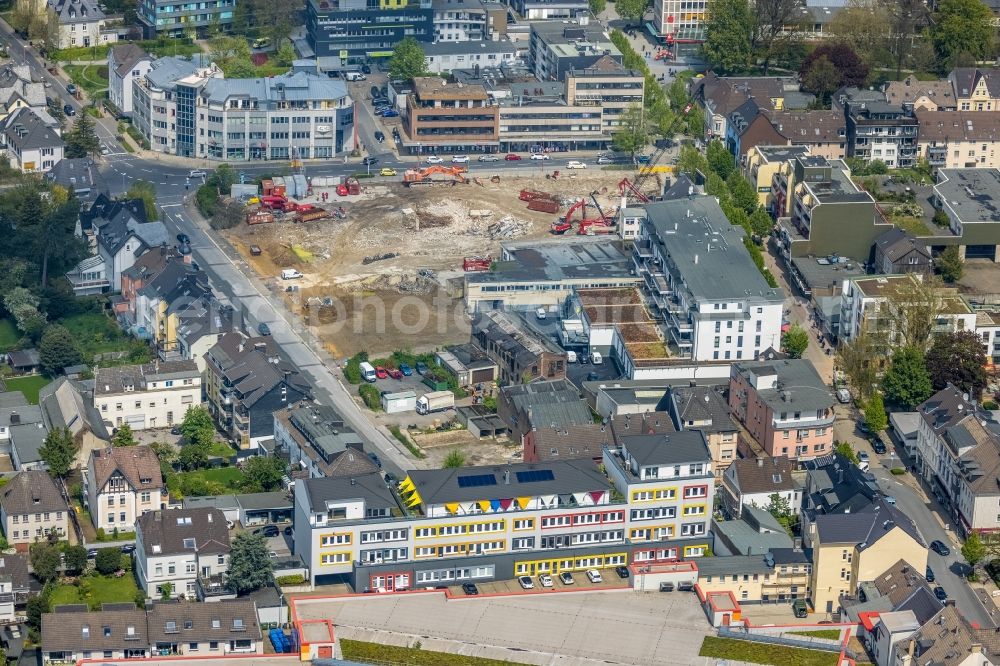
<point>470,589</point>
<point>374,92</point>
<point>622,572</point>
<point>263,329</point>
<point>365,69</point>
<point>929,575</point>
<point>878,446</point>
<point>940,593</point>
<point>375,460</point>
<point>128,548</point>
<point>92,553</point>
<point>183,239</point>
<point>370,160</point>
<point>270,531</point>
<point>176,430</point>
<point>69,110</point>
<point>379,137</point>
<point>940,548</point>
<point>592,376</point>
<point>288,531</point>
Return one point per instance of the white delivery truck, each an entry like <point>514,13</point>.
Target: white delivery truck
<point>596,358</point>
<point>290,274</point>
<point>435,401</point>
<point>367,371</point>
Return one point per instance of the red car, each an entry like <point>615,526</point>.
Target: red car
<point>381,373</point>
<point>511,157</point>
<point>395,373</point>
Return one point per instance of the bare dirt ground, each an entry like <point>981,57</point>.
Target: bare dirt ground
<point>477,452</point>
<point>411,300</point>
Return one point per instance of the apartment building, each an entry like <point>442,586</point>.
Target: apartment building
<point>160,300</point>
<point>698,278</point>
<point>188,109</point>
<point>447,56</point>
<point>914,95</point>
<point>495,523</point>
<point>704,408</point>
<point>752,482</point>
<point>356,31</point>
<point>450,117</point>
<point>782,575</point>
<point>784,405</point>
<point>172,18</point>
<point>681,24</point>
<point>150,395</point>
<point>468,20</point>
<point>975,89</point>
<point>81,23</point>
<point>762,165</point>
<point>556,47</point>
<point>31,508</point>
<point>126,64</point>
<point>183,551</point>
<point>830,214</point>
<point>539,10</point>
<point>607,85</point>
<point>109,633</point>
<point>319,442</point>
<point>121,484</point>
<point>721,95</point>
<point>959,139</point>
<point>960,193</point>
<point>882,131</point>
<point>942,640</point>
<point>824,133</point>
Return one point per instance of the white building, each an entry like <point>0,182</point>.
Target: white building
<point>29,143</point>
<point>152,395</point>
<point>126,64</point>
<point>753,481</point>
<point>445,56</point>
<point>319,442</point>
<point>81,23</point>
<point>32,507</point>
<point>121,484</point>
<point>186,548</point>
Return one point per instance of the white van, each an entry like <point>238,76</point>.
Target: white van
<point>367,371</point>
<point>290,274</point>
<point>354,76</point>
<point>597,358</point>
<point>540,313</point>
<point>571,356</point>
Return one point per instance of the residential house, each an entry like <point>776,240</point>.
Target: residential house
<point>192,629</point>
<point>30,144</point>
<point>898,251</point>
<point>68,403</point>
<point>544,404</point>
<point>705,408</point>
<point>522,353</point>
<point>468,21</point>
<point>23,361</point>
<point>245,382</point>
<point>784,405</point>
<point>747,128</point>
<point>762,163</point>
<point>150,395</point>
<point>720,96</point>
<point>959,139</point>
<point>834,484</point>
<point>15,410</point>
<point>26,441</point>
<point>135,277</point>
<point>915,95</point>
<point>31,508</point>
<point>127,64</point>
<point>779,576</point>
<point>81,23</point>
<point>120,484</point>
<point>17,580</point>
<point>200,325</point>
<point>18,90</point>
<point>77,175</point>
<point>185,549</point>
<point>319,442</point>
<point>881,131</point>
<point>160,300</point>
<point>72,633</point>
<point>585,441</point>
<point>947,639</point>
<point>100,211</point>
<point>975,89</point>
<point>898,589</point>
<point>822,132</point>
<point>752,482</point>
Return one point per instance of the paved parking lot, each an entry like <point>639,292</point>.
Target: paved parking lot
<point>617,627</point>
<point>609,581</point>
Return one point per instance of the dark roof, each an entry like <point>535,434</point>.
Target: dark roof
<point>125,56</point>
<point>704,407</point>
<point>687,446</point>
<point>324,437</point>
<point>105,208</point>
<point>905,588</point>
<point>756,476</point>
<point>151,263</point>
<point>866,525</point>
<point>27,440</point>
<point>949,407</point>
<point>77,11</point>
<point>368,487</point>
<point>809,127</point>
<point>682,188</point>
<point>118,379</point>
<point>799,386</point>
<point>964,80</point>
<point>897,243</point>
<point>31,492</point>
<point>94,631</point>
<point>24,130</point>
<point>229,619</point>
<point>551,404</point>
<point>175,531</point>
<point>23,358</point>
<point>15,567</point>
<point>253,366</point>
<point>75,174</point>
<point>837,486</point>
<point>138,464</point>
<point>586,441</point>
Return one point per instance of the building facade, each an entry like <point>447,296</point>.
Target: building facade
<point>450,117</point>
<point>181,551</point>
<point>882,131</point>
<point>120,484</point>
<point>151,395</point>
<point>173,18</point>
<point>357,31</point>
<point>126,65</point>
<point>31,508</point>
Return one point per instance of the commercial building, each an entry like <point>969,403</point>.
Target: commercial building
<point>681,24</point>
<point>521,353</point>
<point>32,508</point>
<point>126,64</point>
<point>698,278</point>
<point>967,197</point>
<point>181,551</point>
<point>189,110</point>
<point>150,395</point>
<point>483,523</point>
<point>120,484</point>
<point>556,47</point>
<point>881,131</point>
<point>542,404</point>
<point>172,18</point>
<point>536,274</point>
<point>537,10</point>
<point>607,85</point>
<point>357,31</point>
<point>444,56</point>
<point>959,139</point>
<point>467,21</point>
<point>785,406</point>
<point>451,117</point>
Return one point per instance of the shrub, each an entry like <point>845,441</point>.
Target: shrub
<point>294,579</point>
<point>898,471</point>
<point>371,397</point>
<point>352,369</point>
<point>990,405</point>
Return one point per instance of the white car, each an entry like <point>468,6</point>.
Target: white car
<point>433,159</point>
<point>525,582</point>
<point>573,164</point>
<point>539,156</point>
<point>489,158</point>
<point>196,173</point>
<point>594,575</point>
<point>459,159</point>
<point>545,580</point>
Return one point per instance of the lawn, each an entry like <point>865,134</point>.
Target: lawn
<point>217,481</point>
<point>9,335</point>
<point>29,386</point>
<point>168,47</point>
<point>764,653</point>
<point>913,225</point>
<point>95,590</point>
<point>832,634</point>
<point>96,333</point>
<point>361,651</point>
<point>92,78</point>
<point>221,449</point>
<point>92,53</point>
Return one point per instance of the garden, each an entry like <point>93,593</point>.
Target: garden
<point>764,653</point>
<point>29,385</point>
<point>93,79</point>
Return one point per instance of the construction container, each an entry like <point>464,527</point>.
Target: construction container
<point>543,205</point>
<point>301,186</point>
<point>280,188</point>
<point>267,187</point>
<point>402,401</point>
<point>259,216</point>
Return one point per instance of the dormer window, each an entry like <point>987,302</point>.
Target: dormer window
<point>189,543</point>
<point>189,624</point>
<point>85,631</point>
<point>170,627</point>
<point>238,624</point>
<point>156,548</point>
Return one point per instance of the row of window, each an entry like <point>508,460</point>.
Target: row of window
<point>38,517</point>
<point>463,528</point>
<point>454,549</point>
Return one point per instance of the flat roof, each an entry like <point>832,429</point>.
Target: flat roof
<point>840,188</point>
<point>550,261</point>
<point>972,195</point>
<point>433,87</point>
<point>824,271</point>
<point>781,153</point>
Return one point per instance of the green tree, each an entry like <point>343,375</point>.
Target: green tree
<point>962,30</point>
<point>863,26</point>
<point>795,341</point>
<point>57,349</point>
<point>632,10</point>
<point>76,559</point>
<point>941,218</point>
<point>59,452</point>
<point>729,36</point>
<point>263,473</point>
<point>108,560</point>
<point>950,265</point>
<point>959,359</point>
<point>82,140</point>
<point>907,382</point>
<point>781,508</point>
<point>761,222</point>
<point>286,54</point>
<point>973,550</point>
<point>875,417</point>
<point>166,590</point>
<point>45,560</point>
<point>194,455</point>
<point>845,450</point>
<point>249,564</point>
<point>197,426</point>
<point>454,459</point>
<point>632,133</point>
<point>691,160</point>
<point>408,60</point>
<point>145,190</point>
<point>720,160</point>
<point>822,78</point>
<point>23,306</point>
<point>662,120</point>
<point>858,358</point>
<point>37,606</point>
<point>123,436</point>
<point>742,193</point>
<point>598,6</point>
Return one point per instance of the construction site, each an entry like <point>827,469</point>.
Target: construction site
<point>382,262</point>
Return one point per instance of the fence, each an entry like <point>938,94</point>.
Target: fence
<point>804,642</point>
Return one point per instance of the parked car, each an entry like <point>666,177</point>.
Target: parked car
<point>843,395</point>
<point>622,571</point>
<point>566,578</point>
<point>511,157</point>
<point>545,580</point>
<point>128,548</point>
<point>434,159</point>
<point>863,457</point>
<point>183,239</point>
<point>940,593</point>
<point>421,367</point>
<point>395,373</point>
<point>878,446</point>
<point>390,113</point>
<point>929,575</point>
<point>489,158</point>
<point>470,589</point>
<point>387,171</point>
<point>370,161</point>
<point>270,531</point>
<point>375,92</point>
<point>69,110</point>
<point>526,582</point>
<point>940,548</point>
<point>71,88</point>
<point>539,156</point>
<point>459,159</point>
<point>889,499</point>
<point>380,137</point>
<point>263,329</point>
<point>381,373</point>
<point>365,69</point>
<point>573,164</point>
<point>176,430</point>
<point>594,575</point>
<point>405,369</point>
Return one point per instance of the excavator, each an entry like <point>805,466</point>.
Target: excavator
<point>585,226</point>
<point>452,175</point>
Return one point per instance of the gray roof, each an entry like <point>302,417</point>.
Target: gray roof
<point>799,386</point>
<point>686,446</point>
<point>229,619</point>
<point>368,487</point>
<point>178,531</point>
<point>299,86</point>
<point>94,631</point>
<point>125,56</point>
<point>549,404</point>
<point>682,188</point>
<point>247,364</point>
<point>23,358</point>
<point>324,429</point>
<point>204,316</point>
<point>512,333</point>
<point>699,404</point>
<point>31,492</point>
<point>25,130</point>
<point>77,11</point>
<point>439,486</point>
<point>756,532</point>
<point>865,526</point>
<point>27,440</point>
<point>258,501</point>
<point>69,404</point>
<point>949,407</point>
<point>553,261</point>
<point>117,379</point>
<point>221,502</point>
<point>973,195</point>
<point>20,414</point>
<point>707,251</point>
<point>12,399</point>
<point>165,71</point>
<point>75,174</point>
<point>464,48</point>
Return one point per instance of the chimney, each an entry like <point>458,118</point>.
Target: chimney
<point>760,462</point>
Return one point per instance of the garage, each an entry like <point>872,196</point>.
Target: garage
<point>981,252</point>
<point>136,421</point>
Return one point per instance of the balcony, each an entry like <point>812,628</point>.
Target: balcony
<point>214,588</point>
